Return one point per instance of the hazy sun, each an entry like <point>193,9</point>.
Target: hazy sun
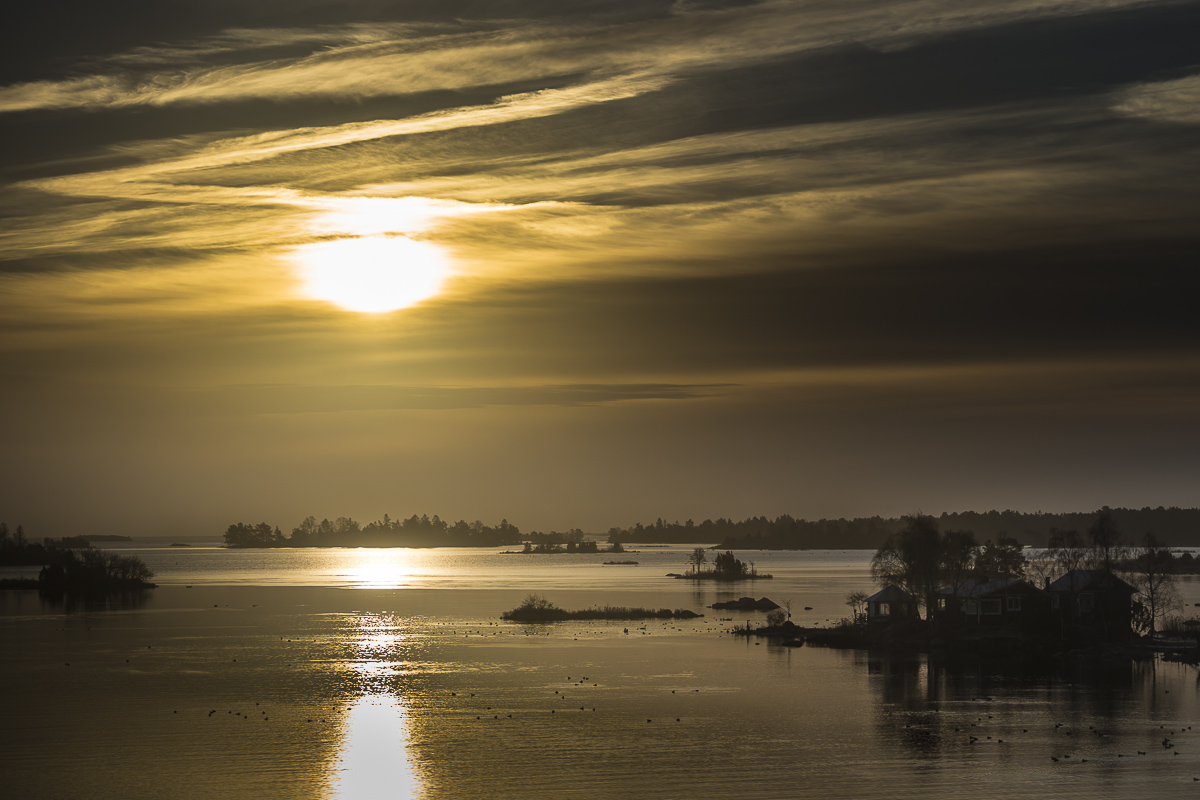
<point>372,273</point>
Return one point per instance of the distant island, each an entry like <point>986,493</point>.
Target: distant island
<point>415,531</point>
<point>537,608</point>
<point>543,548</point>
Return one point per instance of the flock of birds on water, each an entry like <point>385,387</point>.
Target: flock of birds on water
<point>1166,745</point>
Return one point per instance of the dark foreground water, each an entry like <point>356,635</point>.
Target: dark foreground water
<point>363,674</point>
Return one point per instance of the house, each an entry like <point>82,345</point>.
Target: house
<point>1093,604</point>
<point>1002,601</point>
<point>890,604</point>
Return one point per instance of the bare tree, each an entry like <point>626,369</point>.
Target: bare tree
<point>1152,573</point>
<point>959,552</point>
<point>1067,551</point>
<point>1107,546</point>
<point>697,559</point>
<point>857,602</point>
<point>1040,568</point>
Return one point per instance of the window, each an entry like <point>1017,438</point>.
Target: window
<point>969,607</point>
<point>991,605</point>
<point>1087,603</point>
<point>1013,604</point>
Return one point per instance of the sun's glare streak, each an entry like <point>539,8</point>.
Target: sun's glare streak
<point>372,274</point>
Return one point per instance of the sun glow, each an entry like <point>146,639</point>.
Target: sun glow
<point>372,274</point>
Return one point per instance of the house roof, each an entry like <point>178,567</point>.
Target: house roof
<point>1080,579</point>
<point>973,587</point>
<point>891,594</point>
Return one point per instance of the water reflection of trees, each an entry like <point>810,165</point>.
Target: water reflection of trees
<point>102,601</point>
<point>928,703</point>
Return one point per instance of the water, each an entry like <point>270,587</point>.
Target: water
<point>387,673</point>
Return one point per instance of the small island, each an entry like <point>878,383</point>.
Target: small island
<point>537,608</point>
<point>70,565</point>
<point>726,567</point>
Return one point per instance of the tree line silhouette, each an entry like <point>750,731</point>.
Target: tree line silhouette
<point>1178,526</point>
<point>423,531</point>
<point>71,564</point>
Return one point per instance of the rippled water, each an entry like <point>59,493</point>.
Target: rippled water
<point>387,673</point>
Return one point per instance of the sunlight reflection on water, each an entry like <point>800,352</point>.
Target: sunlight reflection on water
<point>373,760</point>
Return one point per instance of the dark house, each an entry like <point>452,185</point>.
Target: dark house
<point>890,604</point>
<point>1003,601</point>
<point>1093,605</point>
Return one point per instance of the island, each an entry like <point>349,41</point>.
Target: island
<point>537,608</point>
<point>71,565</point>
<point>726,567</point>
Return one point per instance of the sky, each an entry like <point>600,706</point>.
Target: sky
<point>589,264</point>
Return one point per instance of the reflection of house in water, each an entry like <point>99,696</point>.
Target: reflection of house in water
<point>891,604</point>
<point>1002,601</point>
<point>1093,604</point>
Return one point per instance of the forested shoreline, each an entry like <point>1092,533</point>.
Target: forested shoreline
<point>1180,527</point>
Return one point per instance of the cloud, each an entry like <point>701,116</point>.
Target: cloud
<point>300,399</point>
<point>1175,101</point>
<point>357,62</point>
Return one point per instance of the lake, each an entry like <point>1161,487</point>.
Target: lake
<point>387,673</point>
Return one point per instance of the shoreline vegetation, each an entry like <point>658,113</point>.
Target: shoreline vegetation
<point>71,566</point>
<point>536,608</point>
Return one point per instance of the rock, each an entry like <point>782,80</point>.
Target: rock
<point>747,604</point>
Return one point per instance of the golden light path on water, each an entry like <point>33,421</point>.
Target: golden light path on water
<point>373,760</point>
<point>373,568</point>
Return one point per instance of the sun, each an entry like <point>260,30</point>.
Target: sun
<point>371,274</point>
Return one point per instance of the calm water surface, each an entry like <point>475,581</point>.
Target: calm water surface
<point>387,673</point>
